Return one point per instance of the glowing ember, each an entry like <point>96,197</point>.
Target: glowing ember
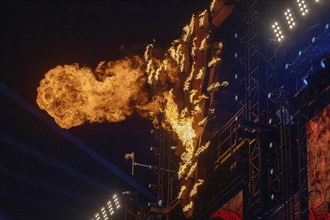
<point>182,189</point>
<point>212,5</point>
<point>188,207</point>
<point>193,192</point>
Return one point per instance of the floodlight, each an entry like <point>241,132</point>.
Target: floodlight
<point>270,144</point>
<point>305,82</point>
<point>303,7</point>
<point>160,203</point>
<point>278,32</point>
<point>325,62</point>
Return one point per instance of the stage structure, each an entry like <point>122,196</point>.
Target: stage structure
<point>258,151</point>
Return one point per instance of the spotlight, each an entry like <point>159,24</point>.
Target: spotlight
<point>236,35</point>
<point>299,53</point>
<point>302,7</point>
<point>278,32</point>
<point>156,150</point>
<point>326,27</point>
<point>314,39</point>
<point>160,203</point>
<point>325,62</point>
<point>272,196</point>
<point>270,144</point>
<point>289,18</point>
<point>152,185</point>
<point>305,82</point>
<point>271,171</point>
<point>287,66</point>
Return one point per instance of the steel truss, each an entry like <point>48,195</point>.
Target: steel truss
<point>261,102</point>
<point>261,134</point>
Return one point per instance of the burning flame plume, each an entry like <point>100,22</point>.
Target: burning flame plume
<point>115,90</point>
<point>172,87</point>
<point>73,95</point>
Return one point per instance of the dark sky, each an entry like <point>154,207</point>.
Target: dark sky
<point>35,37</point>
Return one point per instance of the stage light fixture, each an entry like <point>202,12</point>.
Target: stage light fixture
<point>287,66</point>
<point>305,82</point>
<point>277,31</point>
<point>110,208</point>
<point>314,39</point>
<point>152,185</point>
<point>326,27</point>
<point>272,196</point>
<point>270,145</point>
<point>325,62</point>
<point>271,171</point>
<point>289,18</point>
<point>160,203</point>
<point>302,7</point>
<point>104,213</point>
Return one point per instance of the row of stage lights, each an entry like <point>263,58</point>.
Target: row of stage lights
<point>110,209</point>
<point>289,16</point>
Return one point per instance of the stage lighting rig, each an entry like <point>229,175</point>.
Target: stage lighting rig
<point>325,63</point>
<point>302,7</point>
<point>289,18</point>
<point>278,31</point>
<point>112,205</point>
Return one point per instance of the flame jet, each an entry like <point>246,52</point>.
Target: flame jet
<point>115,90</point>
<point>180,87</point>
